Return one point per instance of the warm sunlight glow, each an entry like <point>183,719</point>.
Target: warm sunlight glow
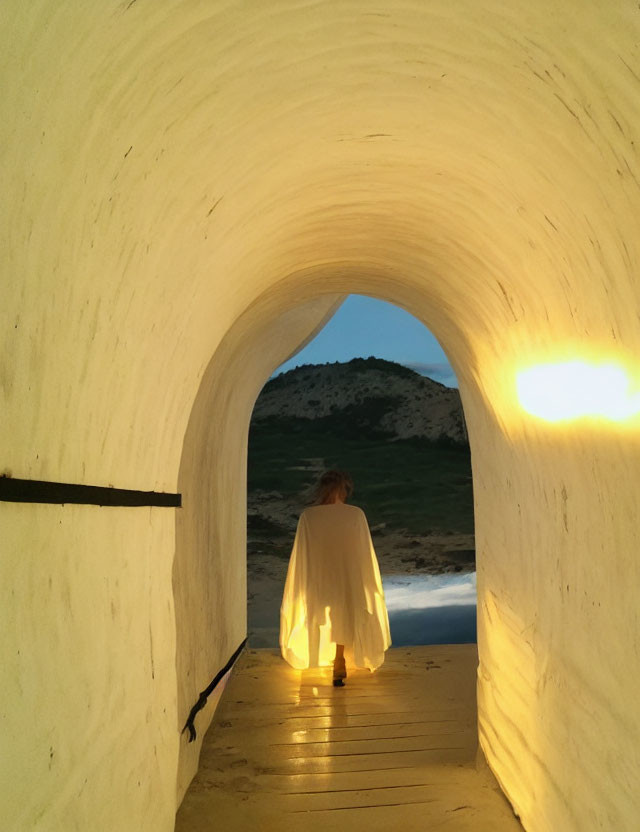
<point>575,389</point>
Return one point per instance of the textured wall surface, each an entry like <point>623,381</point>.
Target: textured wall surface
<point>179,176</point>
<point>89,680</point>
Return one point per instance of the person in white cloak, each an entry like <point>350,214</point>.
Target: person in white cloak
<point>333,598</point>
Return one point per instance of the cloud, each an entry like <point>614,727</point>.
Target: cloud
<point>439,370</point>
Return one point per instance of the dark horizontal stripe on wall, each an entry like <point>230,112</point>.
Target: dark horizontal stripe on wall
<point>39,491</point>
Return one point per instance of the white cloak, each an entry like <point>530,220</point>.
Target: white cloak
<point>333,593</point>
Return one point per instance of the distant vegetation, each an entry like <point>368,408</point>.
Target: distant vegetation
<point>356,365</point>
<point>413,483</point>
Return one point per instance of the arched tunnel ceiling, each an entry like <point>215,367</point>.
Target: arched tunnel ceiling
<point>167,163</point>
<point>172,170</point>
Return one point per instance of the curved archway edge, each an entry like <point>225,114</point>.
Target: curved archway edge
<point>522,479</point>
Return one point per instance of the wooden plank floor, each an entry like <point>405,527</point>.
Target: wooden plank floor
<point>396,749</point>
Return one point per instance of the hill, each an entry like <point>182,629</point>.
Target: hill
<point>369,398</point>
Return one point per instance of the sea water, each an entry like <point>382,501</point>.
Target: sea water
<point>431,609</point>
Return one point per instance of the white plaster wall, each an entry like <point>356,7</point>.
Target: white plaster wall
<point>558,588</point>
<point>167,165</point>
<point>88,702</point>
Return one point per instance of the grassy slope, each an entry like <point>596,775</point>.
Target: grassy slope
<point>412,484</point>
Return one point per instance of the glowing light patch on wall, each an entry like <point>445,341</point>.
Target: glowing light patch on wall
<point>576,389</point>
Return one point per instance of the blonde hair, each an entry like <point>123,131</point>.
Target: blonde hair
<point>332,483</point>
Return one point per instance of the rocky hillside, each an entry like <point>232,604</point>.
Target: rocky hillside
<point>365,397</point>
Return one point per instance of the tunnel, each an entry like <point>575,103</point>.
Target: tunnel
<point>190,190</point>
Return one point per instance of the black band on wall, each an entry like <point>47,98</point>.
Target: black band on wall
<point>39,491</point>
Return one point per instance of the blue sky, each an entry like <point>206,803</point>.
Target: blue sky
<point>365,326</point>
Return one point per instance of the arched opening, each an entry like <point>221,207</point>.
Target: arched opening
<point>209,575</point>
<point>373,394</point>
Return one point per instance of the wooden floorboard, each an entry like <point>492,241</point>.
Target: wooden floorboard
<point>393,749</point>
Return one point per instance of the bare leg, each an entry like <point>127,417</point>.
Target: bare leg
<point>339,668</point>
